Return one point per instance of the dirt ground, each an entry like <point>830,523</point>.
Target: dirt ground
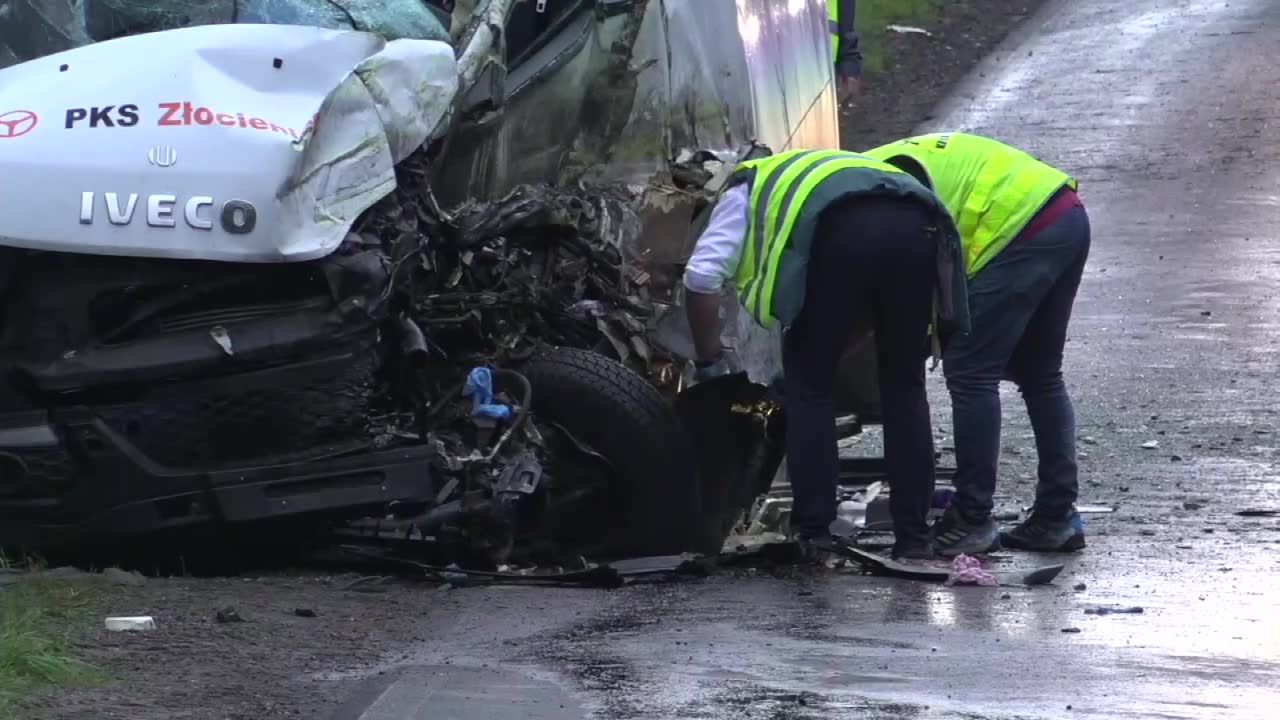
<point>276,663</point>
<point>271,663</point>
<point>920,69</point>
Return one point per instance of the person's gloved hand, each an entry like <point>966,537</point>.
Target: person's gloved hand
<point>706,371</point>
<point>726,363</point>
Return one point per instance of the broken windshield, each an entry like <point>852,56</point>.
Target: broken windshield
<point>34,28</point>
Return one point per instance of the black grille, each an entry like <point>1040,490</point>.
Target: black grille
<point>232,426</point>
<point>35,473</point>
<point>227,316</point>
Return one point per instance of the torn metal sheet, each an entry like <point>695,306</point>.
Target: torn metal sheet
<point>655,100</point>
<point>479,23</point>
<point>623,88</point>
<point>266,142</point>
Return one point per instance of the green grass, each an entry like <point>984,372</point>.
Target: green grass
<point>874,15</point>
<point>37,619</point>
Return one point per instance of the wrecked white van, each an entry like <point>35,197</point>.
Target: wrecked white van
<point>321,261</point>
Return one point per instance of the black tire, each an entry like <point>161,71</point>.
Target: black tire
<point>655,497</point>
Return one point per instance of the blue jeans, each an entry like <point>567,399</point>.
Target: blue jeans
<point>1019,306</point>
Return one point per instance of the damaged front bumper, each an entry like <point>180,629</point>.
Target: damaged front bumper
<point>122,493</point>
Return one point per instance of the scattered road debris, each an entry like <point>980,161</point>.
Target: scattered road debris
<point>1151,445</point>
<point>1071,630</point>
<point>605,576</point>
<point>130,623</point>
<point>227,615</point>
<point>881,565</point>
<point>1258,512</point>
<point>1114,611</point>
<point>908,30</point>
<point>855,510</point>
<point>305,612</point>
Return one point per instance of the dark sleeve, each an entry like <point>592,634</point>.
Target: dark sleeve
<point>849,57</point>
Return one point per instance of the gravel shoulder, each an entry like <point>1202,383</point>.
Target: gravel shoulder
<point>907,73</point>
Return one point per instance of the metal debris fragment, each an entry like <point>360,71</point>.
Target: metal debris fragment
<point>908,30</point>
<point>223,338</point>
<point>1114,611</point>
<point>541,265</point>
<point>130,624</point>
<point>227,615</point>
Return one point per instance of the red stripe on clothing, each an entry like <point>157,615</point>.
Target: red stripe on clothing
<point>1063,202</point>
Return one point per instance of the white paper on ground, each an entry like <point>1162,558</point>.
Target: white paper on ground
<point>122,624</point>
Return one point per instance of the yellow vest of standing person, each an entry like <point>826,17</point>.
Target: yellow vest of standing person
<point>789,192</point>
<point>992,190</point>
<point>833,26</point>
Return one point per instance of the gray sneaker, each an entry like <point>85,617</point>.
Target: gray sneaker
<point>913,550</point>
<point>1041,533</point>
<point>953,535</point>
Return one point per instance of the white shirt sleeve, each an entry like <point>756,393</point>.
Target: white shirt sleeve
<point>717,253</point>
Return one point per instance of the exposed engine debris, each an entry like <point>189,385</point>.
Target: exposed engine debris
<point>495,285</point>
<point>492,280</point>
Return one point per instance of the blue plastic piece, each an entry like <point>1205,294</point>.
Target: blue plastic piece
<point>480,388</point>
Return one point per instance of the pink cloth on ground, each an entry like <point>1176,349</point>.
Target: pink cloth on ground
<point>968,570</point>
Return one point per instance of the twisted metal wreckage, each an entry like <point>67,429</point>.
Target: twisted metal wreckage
<point>503,377</point>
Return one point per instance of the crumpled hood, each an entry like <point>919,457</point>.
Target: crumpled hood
<point>247,143</point>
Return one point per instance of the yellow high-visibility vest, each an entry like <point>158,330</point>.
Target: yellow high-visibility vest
<point>833,25</point>
<point>991,189</point>
<point>788,192</point>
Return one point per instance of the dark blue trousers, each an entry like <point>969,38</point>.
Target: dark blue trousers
<point>871,258</point>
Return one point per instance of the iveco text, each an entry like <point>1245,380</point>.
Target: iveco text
<point>237,217</point>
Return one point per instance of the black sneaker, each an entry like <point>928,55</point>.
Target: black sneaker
<point>1042,533</point>
<point>953,535</point>
<point>814,550</point>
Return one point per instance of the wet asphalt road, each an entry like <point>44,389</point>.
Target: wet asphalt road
<point>1167,111</point>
